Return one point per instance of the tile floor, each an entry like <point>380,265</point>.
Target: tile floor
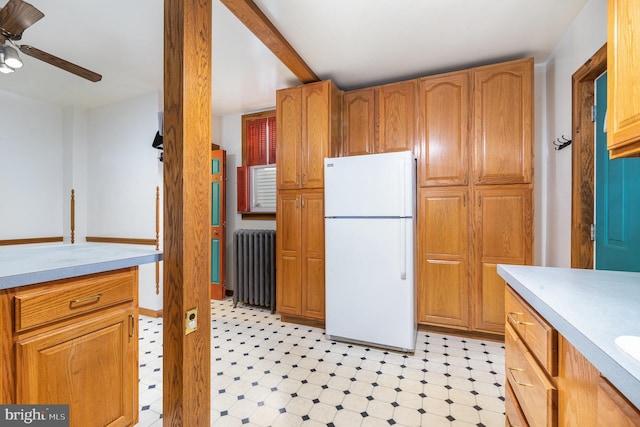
<point>268,373</point>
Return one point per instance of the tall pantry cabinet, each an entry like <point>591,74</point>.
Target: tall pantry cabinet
<point>475,202</point>
<point>308,120</point>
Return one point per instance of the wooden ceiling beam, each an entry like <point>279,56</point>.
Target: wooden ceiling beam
<point>252,17</point>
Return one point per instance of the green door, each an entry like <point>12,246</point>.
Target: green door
<point>218,217</point>
<point>617,203</point>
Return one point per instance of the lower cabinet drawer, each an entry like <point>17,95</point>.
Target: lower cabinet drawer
<point>535,393</point>
<point>513,412</point>
<point>67,298</point>
<point>538,335</point>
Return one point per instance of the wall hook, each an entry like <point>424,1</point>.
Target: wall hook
<point>561,143</point>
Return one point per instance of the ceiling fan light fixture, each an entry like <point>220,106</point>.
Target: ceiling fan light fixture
<point>5,69</point>
<point>11,57</point>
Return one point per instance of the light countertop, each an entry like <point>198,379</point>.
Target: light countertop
<point>28,264</point>
<point>590,308</point>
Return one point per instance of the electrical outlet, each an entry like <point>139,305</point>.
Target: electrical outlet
<point>190,321</point>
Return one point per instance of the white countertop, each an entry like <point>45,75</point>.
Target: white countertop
<point>28,264</point>
<point>590,308</point>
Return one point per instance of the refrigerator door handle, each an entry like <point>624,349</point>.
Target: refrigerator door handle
<point>403,248</point>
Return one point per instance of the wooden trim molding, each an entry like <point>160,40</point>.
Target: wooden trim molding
<point>30,240</point>
<point>150,313</point>
<point>582,159</point>
<point>73,216</point>
<point>258,216</point>
<point>126,240</point>
<point>252,17</point>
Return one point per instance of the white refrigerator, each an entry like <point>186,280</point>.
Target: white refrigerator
<point>369,249</point>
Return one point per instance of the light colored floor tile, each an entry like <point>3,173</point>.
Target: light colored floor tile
<point>464,413</point>
<point>407,416</point>
<point>322,412</point>
<point>268,373</point>
<point>348,418</point>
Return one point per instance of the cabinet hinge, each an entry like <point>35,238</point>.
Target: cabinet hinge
<point>593,113</point>
<point>593,232</point>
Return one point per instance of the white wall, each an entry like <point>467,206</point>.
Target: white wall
<point>582,39</point>
<point>31,165</point>
<point>74,171</point>
<point>123,173</point>
<point>123,169</point>
<point>232,143</point>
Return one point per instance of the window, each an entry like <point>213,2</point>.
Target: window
<point>257,175</point>
<point>263,188</point>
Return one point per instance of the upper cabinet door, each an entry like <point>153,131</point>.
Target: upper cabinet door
<point>396,117</point>
<point>315,133</point>
<point>359,122</point>
<point>503,123</point>
<point>623,62</point>
<point>444,129</point>
<point>289,136</point>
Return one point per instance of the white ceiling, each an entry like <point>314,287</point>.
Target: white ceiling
<point>356,43</point>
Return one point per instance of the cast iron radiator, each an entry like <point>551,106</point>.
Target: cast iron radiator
<point>255,267</point>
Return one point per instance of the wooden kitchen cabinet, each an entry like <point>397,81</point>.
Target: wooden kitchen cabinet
<point>476,141</point>
<point>613,408</point>
<point>397,117</point>
<point>308,130</point>
<point>502,123</point>
<point>550,382</point>
<point>309,123</point>
<point>531,364</point>
<point>380,119</point>
<point>74,341</point>
<point>577,388</point>
<point>443,282</point>
<point>444,129</point>
<point>359,129</point>
<point>503,227</point>
<point>532,387</point>
<point>300,254</point>
<point>289,137</point>
<point>94,358</point>
<point>623,84</point>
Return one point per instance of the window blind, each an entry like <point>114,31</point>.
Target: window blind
<point>263,188</point>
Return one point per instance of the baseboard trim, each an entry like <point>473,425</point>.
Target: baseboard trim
<point>487,336</point>
<point>126,240</point>
<point>30,240</point>
<point>150,313</point>
<point>302,321</point>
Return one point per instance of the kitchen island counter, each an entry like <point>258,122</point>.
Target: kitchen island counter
<point>590,308</point>
<point>30,264</point>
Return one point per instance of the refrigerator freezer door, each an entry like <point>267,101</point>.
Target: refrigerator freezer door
<point>381,185</point>
<point>370,281</point>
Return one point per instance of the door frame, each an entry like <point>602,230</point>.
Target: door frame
<point>582,159</point>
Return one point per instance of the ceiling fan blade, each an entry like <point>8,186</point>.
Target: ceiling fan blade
<point>16,16</point>
<point>60,63</point>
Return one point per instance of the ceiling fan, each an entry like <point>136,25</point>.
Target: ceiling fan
<point>15,17</point>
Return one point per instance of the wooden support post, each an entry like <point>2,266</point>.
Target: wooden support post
<point>187,206</point>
